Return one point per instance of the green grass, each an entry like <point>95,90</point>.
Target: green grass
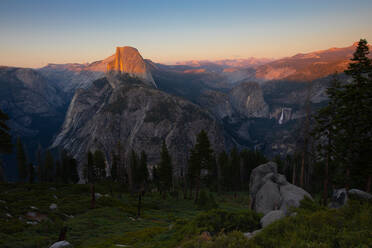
<point>170,222</point>
<point>113,221</point>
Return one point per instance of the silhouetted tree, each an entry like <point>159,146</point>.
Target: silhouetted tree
<point>21,161</point>
<point>99,164</point>
<point>165,170</point>
<point>49,167</point>
<point>5,140</point>
<point>201,161</point>
<point>31,173</point>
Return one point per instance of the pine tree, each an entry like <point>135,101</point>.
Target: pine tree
<point>73,171</point>
<point>143,169</point>
<point>165,169</point>
<point>31,173</point>
<point>6,145</point>
<point>134,171</point>
<point>235,167</point>
<point>21,161</point>
<point>59,173</point>
<point>40,164</point>
<point>114,167</point>
<point>99,165</point>
<point>91,173</point>
<point>201,161</point>
<point>5,137</point>
<point>345,123</point>
<point>224,177</point>
<point>49,167</point>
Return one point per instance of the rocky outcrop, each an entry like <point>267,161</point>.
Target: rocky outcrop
<point>270,190</point>
<point>247,99</point>
<point>340,196</point>
<point>28,97</point>
<point>138,116</point>
<point>128,60</point>
<point>360,194</point>
<point>61,244</point>
<point>272,216</point>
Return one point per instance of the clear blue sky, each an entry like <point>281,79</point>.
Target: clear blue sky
<point>34,32</point>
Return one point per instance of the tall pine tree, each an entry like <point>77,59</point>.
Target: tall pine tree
<point>21,161</point>
<point>165,170</point>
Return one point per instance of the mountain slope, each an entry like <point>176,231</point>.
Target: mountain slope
<point>138,116</point>
<point>309,66</point>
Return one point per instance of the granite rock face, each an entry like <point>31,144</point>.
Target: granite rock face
<point>271,216</point>
<point>26,96</point>
<point>128,60</point>
<point>139,116</point>
<point>247,99</point>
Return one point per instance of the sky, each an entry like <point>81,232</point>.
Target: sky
<point>34,33</point>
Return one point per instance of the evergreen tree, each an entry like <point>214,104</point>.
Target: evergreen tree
<point>73,175</point>
<point>21,161</point>
<point>134,171</point>
<point>235,167</point>
<point>143,171</point>
<point>40,164</point>
<point>343,127</point>
<point>31,173</point>
<point>5,137</point>
<point>114,167</point>
<point>59,173</point>
<point>49,167</point>
<point>99,165</point>
<point>5,141</point>
<point>224,177</point>
<point>201,161</point>
<point>91,173</point>
<point>165,169</point>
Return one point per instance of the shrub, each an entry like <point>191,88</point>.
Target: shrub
<point>216,221</point>
<point>206,202</point>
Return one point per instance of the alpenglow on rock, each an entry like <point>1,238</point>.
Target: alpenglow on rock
<point>129,60</point>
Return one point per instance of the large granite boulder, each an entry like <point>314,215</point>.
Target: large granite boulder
<point>339,198</point>
<point>360,194</point>
<point>291,196</point>
<point>271,216</point>
<point>267,198</point>
<point>270,190</point>
<point>61,244</point>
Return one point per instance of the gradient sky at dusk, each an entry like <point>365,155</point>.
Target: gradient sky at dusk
<point>34,32</point>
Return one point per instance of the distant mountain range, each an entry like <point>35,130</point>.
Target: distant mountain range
<point>254,103</point>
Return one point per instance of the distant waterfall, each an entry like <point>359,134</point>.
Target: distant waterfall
<point>281,118</point>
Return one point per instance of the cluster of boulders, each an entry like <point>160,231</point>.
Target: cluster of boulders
<point>272,195</point>
<point>271,191</point>
<point>340,196</point>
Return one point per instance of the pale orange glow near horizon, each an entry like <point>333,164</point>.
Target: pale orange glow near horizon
<point>35,33</point>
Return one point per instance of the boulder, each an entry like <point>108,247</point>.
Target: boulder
<point>258,175</point>
<point>271,191</point>
<point>272,216</point>
<point>267,198</point>
<point>250,235</point>
<point>291,196</point>
<point>97,195</point>
<point>53,206</point>
<point>61,244</point>
<point>360,194</point>
<point>339,198</point>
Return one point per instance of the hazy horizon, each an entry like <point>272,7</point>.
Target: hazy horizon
<point>35,33</point>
